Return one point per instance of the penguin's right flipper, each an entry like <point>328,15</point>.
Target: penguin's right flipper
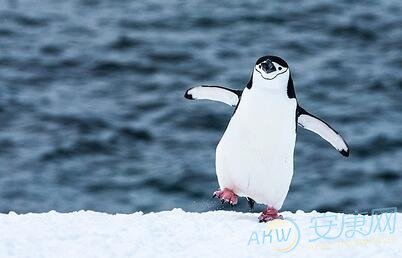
<point>320,127</point>
<point>216,93</point>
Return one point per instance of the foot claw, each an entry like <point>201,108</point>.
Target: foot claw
<point>226,196</point>
<point>269,214</point>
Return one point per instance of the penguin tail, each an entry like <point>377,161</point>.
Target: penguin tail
<point>250,202</point>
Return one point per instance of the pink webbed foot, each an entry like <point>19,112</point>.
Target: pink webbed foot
<point>226,196</point>
<point>269,214</point>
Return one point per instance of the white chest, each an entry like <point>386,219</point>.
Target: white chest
<point>265,119</point>
<point>255,154</point>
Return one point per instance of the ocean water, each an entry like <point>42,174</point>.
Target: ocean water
<point>92,114</point>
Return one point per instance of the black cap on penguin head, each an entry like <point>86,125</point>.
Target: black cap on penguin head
<point>275,59</point>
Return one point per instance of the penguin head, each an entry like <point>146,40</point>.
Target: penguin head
<point>272,73</point>
<point>271,68</point>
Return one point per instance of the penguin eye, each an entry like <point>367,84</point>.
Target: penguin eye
<point>280,68</point>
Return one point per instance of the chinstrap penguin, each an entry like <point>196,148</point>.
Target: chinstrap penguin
<point>254,158</point>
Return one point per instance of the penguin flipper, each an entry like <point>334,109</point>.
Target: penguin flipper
<point>320,127</point>
<point>216,93</point>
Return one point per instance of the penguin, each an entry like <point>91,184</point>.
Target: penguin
<point>254,157</point>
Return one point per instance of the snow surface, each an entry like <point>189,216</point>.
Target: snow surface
<point>178,233</point>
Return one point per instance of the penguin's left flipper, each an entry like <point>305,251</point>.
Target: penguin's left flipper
<point>216,93</point>
<point>318,126</point>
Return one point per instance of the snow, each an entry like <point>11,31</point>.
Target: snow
<point>178,233</point>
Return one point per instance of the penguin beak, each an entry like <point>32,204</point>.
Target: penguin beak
<point>268,67</point>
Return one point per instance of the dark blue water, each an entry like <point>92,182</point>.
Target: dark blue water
<point>92,114</point>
